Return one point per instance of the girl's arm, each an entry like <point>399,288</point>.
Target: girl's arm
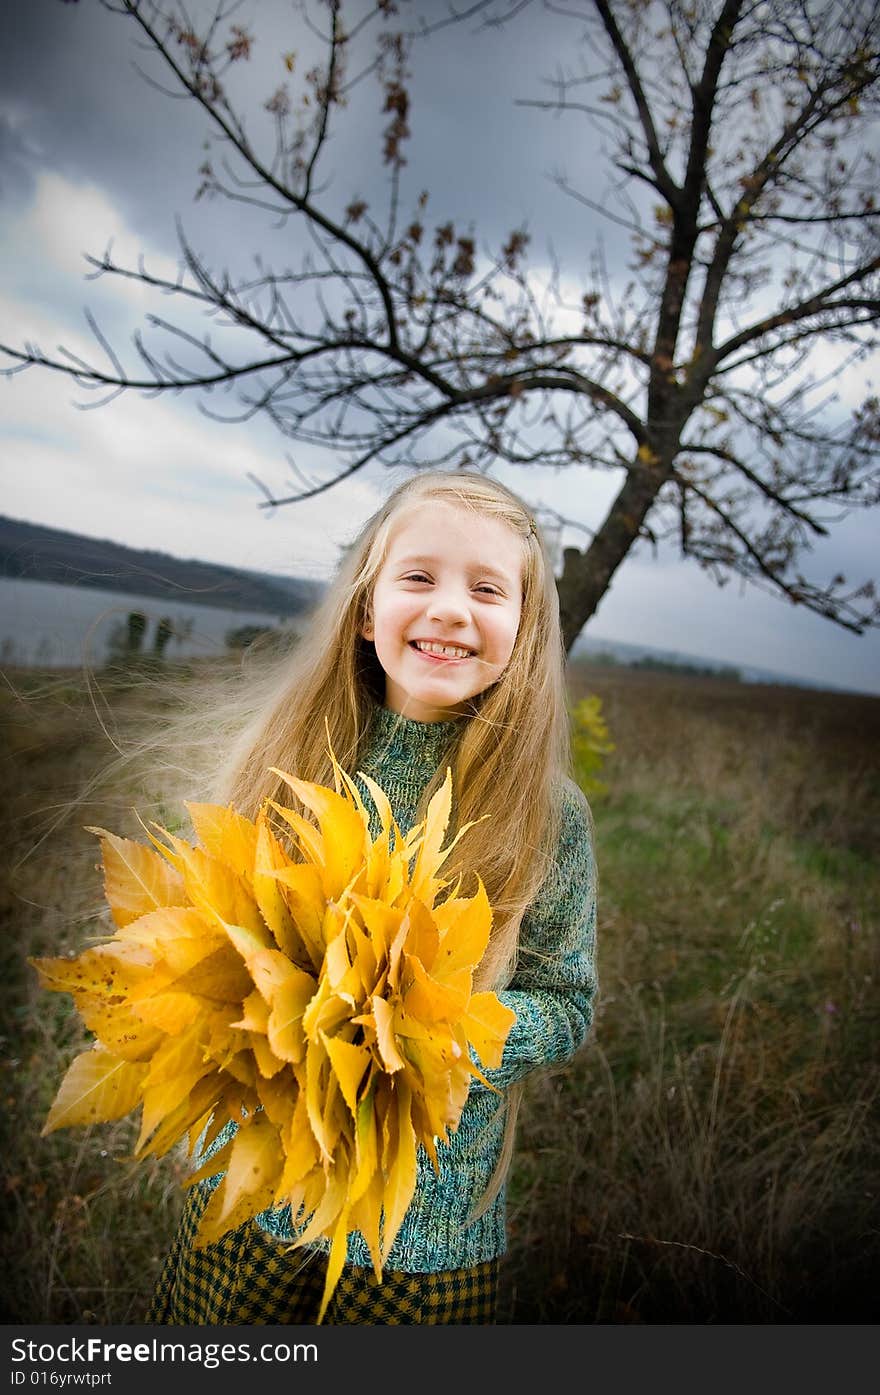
<point>553,988</point>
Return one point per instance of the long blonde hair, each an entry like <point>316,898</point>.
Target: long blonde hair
<point>510,756</point>
<point>217,740</point>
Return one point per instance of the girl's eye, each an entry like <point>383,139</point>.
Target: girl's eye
<point>488,590</point>
<point>416,576</point>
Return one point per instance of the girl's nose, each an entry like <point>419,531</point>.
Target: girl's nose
<point>449,606</point>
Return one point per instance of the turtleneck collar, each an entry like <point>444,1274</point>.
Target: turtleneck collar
<point>421,743</point>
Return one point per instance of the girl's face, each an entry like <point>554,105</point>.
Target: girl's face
<point>445,608</point>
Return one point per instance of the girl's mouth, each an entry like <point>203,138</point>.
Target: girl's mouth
<point>433,650</point>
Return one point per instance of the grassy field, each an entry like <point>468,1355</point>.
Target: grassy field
<point>711,1156</point>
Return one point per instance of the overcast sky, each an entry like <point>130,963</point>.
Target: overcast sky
<point>90,152</point>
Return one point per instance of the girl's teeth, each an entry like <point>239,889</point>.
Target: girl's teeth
<point>446,651</point>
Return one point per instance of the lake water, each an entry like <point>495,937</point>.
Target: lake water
<point>45,625</point>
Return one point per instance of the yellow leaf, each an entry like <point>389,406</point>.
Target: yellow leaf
<point>399,1164</point>
<point>335,1120</point>
<point>349,1062</point>
<point>225,835</point>
<point>363,960</point>
<point>278,1096</point>
<point>268,1064</point>
<point>366,1148</point>
<point>301,1152</point>
<point>382,923</point>
<point>331,1201</point>
<point>169,1013</point>
<point>171,933</point>
<point>97,1087</point>
<point>336,959</point>
<point>317,1082</point>
<point>380,799</point>
<point>366,1213</point>
<point>285,1023</point>
<point>424,882</point>
<point>255,1017</point>
<point>338,1249</point>
<point>136,879</point>
<point>166,1102</point>
<point>111,971</point>
<point>430,1001</point>
<point>487,1023</point>
<point>170,1112</point>
<point>394,955</point>
<point>177,1066</point>
<point>254,1163</point>
<point>225,1046</point>
<point>308,836</point>
<point>118,1029</point>
<point>220,976</point>
<point>217,1220</point>
<point>407,1026</point>
<point>343,781</point>
<point>431,1065</point>
<point>343,833</point>
<point>305,899</point>
<point>271,970</point>
<point>242,1069</point>
<point>326,1011</point>
<point>383,1017</point>
<point>465,925</point>
<point>268,859</point>
<point>423,935</point>
<point>221,894</point>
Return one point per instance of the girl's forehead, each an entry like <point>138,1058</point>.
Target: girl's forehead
<point>444,526</point>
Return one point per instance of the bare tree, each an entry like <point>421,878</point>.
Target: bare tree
<point>738,135</point>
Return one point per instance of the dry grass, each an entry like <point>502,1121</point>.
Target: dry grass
<point>710,1156</point>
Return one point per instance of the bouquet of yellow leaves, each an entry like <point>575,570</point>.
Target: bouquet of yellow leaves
<point>321,1001</point>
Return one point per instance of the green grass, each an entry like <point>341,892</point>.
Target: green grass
<point>711,1155</point>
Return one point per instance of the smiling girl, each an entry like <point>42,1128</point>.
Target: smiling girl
<point>438,645</point>
<point>445,609</point>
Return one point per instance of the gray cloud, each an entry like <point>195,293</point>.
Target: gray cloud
<point>74,105</point>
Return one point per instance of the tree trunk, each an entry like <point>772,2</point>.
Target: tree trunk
<point>586,576</point>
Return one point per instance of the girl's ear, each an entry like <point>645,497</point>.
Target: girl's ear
<point>367,631</point>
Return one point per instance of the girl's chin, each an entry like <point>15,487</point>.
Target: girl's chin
<point>427,706</point>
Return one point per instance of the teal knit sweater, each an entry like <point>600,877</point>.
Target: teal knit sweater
<point>552,993</point>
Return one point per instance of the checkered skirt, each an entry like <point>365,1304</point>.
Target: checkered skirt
<point>251,1278</point>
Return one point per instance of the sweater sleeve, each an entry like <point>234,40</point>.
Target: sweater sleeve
<point>554,986</point>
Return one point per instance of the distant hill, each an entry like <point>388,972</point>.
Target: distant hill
<point>613,651</point>
<point>32,552</point>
